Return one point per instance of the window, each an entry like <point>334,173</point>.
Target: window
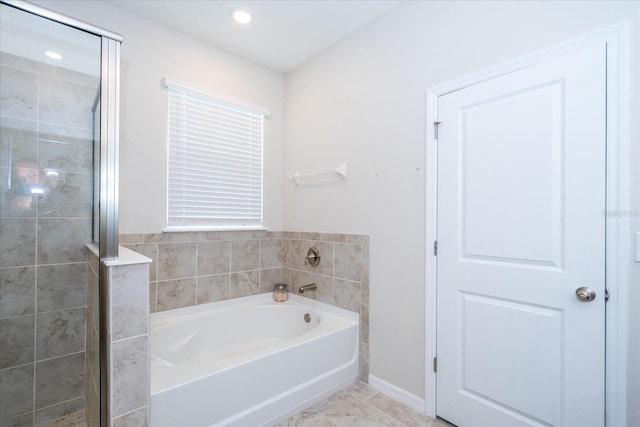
<point>214,161</point>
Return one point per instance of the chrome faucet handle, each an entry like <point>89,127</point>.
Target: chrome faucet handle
<point>313,257</point>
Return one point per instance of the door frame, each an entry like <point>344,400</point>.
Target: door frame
<point>617,244</point>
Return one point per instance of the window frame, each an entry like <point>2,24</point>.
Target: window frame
<point>222,102</point>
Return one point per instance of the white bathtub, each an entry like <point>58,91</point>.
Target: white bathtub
<point>248,361</point>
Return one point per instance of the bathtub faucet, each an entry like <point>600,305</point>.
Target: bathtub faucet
<point>309,287</point>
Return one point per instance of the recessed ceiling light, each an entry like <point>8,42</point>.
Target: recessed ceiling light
<point>53,55</point>
<point>241,16</point>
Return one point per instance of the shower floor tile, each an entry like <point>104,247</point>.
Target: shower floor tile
<point>74,419</point>
<point>360,405</point>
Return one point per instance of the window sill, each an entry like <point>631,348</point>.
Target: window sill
<point>179,228</point>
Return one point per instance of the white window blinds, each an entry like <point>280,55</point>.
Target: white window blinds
<point>214,161</point>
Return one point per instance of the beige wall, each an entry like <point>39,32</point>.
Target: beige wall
<point>149,53</point>
<point>363,102</point>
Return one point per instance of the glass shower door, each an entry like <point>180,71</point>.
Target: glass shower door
<point>49,84</point>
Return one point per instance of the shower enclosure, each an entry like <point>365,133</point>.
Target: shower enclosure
<point>58,213</point>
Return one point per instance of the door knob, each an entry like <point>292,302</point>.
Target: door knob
<point>585,294</point>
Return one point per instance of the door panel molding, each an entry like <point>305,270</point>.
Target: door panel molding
<point>618,254</point>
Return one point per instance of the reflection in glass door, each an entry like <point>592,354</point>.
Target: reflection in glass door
<point>49,82</point>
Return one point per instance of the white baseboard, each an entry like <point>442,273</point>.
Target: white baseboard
<point>396,393</point>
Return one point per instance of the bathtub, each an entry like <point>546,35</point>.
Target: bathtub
<point>248,361</point>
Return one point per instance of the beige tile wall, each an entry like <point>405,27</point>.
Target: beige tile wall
<point>192,268</point>
<point>92,334</point>
<point>128,340</point>
<point>43,264</point>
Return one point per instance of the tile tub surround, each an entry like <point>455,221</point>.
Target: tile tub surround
<point>74,419</point>
<point>92,355</point>
<point>43,264</point>
<point>127,345</point>
<point>192,268</point>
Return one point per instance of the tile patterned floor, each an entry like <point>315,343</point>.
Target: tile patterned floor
<point>360,405</point>
<point>74,419</point>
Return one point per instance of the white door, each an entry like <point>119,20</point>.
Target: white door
<point>521,226</point>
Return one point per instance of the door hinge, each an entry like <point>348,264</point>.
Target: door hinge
<point>435,364</point>
<point>435,247</point>
<point>435,129</point>
<point>606,295</point>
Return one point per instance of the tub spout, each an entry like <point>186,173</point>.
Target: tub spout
<point>309,287</point>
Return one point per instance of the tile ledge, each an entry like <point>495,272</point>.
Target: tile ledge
<point>93,248</point>
<point>127,257</point>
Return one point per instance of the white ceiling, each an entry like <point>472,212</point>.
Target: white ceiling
<point>283,35</point>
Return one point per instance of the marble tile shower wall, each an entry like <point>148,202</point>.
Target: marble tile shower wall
<point>92,337</point>
<point>45,117</point>
<point>127,343</point>
<point>199,267</point>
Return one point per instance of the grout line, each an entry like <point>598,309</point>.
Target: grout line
<point>47,218</point>
<point>73,419</point>
<point>41,265</point>
<point>79,307</point>
<point>17,366</point>
<point>18,316</point>
<point>197,275</point>
<point>146,334</point>
<point>157,267</point>
<point>59,357</point>
<point>387,415</point>
<point>35,283</point>
<point>230,272</point>
<point>131,411</point>
<point>382,411</point>
<point>60,403</point>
